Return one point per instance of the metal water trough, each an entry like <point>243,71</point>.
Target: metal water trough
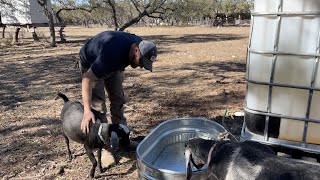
<point>161,154</point>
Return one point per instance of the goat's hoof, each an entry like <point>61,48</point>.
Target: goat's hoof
<point>91,175</point>
<point>70,157</point>
<point>296,156</point>
<point>103,170</point>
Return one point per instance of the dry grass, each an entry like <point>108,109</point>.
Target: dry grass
<point>199,73</point>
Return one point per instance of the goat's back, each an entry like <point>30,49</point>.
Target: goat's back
<point>259,162</point>
<point>284,168</point>
<point>71,116</point>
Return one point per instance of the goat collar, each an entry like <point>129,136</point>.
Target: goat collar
<point>99,133</point>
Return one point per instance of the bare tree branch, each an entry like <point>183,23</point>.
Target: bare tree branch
<point>153,16</point>
<point>114,13</point>
<point>71,7</point>
<point>135,4</point>
<point>152,10</point>
<point>77,8</point>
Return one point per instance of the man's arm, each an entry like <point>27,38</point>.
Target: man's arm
<point>87,82</point>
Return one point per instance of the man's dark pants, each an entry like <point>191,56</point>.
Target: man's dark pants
<point>113,85</point>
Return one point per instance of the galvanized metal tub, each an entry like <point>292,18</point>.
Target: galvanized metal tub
<point>161,154</point>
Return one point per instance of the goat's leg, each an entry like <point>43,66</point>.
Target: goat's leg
<point>116,156</point>
<point>318,158</point>
<point>67,142</point>
<point>92,159</point>
<point>99,161</point>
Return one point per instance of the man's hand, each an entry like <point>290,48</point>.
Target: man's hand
<point>87,117</point>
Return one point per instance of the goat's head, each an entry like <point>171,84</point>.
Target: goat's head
<point>197,151</point>
<point>119,136</point>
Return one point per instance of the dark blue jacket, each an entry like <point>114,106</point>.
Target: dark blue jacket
<point>107,52</point>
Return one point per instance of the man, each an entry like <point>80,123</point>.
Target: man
<point>103,58</point>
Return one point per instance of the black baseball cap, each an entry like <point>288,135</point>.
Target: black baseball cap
<point>148,54</point>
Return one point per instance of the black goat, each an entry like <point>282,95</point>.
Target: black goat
<point>100,133</point>
<point>227,160</point>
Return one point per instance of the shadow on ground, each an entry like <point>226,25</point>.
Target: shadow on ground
<point>62,70</point>
<point>28,79</point>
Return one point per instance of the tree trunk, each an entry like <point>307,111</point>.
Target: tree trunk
<point>16,35</point>
<point>3,31</point>
<point>52,33</point>
<point>51,27</point>
<point>61,31</point>
<point>132,21</point>
<point>49,15</point>
<point>114,15</point>
<point>34,35</point>
<point>62,39</point>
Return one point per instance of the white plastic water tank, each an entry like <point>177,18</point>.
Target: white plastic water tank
<point>282,65</point>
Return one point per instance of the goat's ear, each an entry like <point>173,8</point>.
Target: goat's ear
<point>114,140</point>
<point>188,164</point>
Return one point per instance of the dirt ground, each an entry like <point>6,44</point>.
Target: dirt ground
<point>200,72</point>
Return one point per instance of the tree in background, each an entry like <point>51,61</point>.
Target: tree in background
<point>5,2</point>
<point>193,10</point>
<point>72,11</point>
<point>49,15</point>
<point>228,7</point>
<point>244,7</point>
<point>3,28</point>
<point>123,13</point>
<point>147,8</point>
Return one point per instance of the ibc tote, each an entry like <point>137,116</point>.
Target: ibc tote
<point>282,103</point>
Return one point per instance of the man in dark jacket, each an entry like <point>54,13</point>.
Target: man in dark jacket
<point>103,58</point>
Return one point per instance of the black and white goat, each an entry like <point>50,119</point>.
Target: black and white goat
<point>100,135</point>
<point>247,160</point>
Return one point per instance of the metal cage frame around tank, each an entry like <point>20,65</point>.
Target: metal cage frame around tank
<point>245,134</point>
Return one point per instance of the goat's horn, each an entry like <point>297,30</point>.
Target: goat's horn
<point>188,164</point>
